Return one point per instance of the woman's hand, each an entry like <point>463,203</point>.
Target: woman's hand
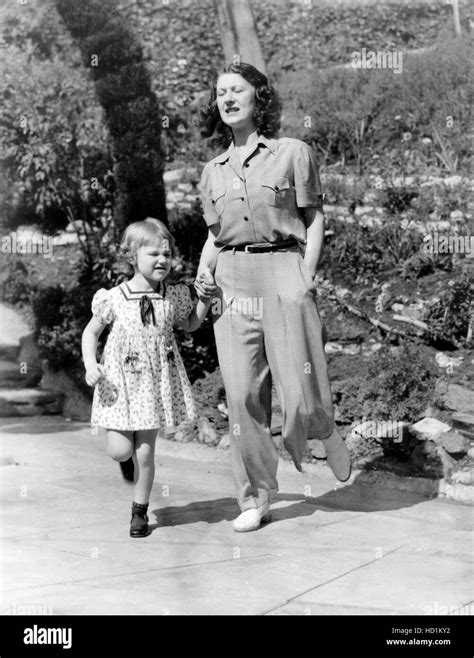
<point>205,285</point>
<point>94,372</point>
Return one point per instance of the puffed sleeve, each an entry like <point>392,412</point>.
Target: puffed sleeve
<point>102,307</point>
<point>209,212</point>
<point>182,302</point>
<point>307,183</point>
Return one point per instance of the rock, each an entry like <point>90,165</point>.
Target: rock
<point>464,423</point>
<point>173,176</point>
<point>363,210</point>
<point>185,187</point>
<point>433,459</point>
<point>12,327</point>
<point>317,448</point>
<point>458,398</point>
<point>30,402</point>
<point>452,181</point>
<point>207,434</point>
<point>428,429</point>
<point>18,375</point>
<point>65,238</point>
<point>225,441</point>
<point>222,408</point>
<point>370,197</point>
<point>185,433</point>
<point>463,477</point>
<point>76,404</point>
<point>414,311</point>
<point>332,348</point>
<point>453,442</point>
<point>29,354</point>
<point>470,453</point>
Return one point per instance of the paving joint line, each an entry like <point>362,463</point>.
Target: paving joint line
<point>328,582</point>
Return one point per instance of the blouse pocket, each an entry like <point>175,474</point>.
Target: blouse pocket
<point>276,190</point>
<point>218,200</point>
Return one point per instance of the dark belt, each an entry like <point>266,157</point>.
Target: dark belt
<point>261,247</point>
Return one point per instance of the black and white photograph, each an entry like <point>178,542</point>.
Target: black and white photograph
<point>236,327</point>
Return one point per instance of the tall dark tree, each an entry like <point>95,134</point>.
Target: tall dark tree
<point>114,56</point>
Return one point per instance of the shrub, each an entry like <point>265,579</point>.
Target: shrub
<point>450,314</point>
<point>356,113</point>
<point>400,383</point>
<point>357,251</point>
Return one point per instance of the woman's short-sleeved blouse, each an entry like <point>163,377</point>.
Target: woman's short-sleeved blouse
<point>261,200</point>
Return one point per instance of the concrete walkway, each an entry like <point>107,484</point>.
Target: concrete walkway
<point>331,549</point>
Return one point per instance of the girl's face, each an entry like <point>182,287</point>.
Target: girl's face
<point>236,101</point>
<point>153,261</point>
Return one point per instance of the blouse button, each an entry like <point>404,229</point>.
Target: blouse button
<point>242,198</point>
<point>246,164</point>
<point>246,219</point>
<point>277,188</point>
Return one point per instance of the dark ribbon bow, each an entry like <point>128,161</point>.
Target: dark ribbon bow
<point>146,310</point>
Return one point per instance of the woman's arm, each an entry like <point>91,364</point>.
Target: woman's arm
<point>204,282</point>
<point>90,338</point>
<point>314,237</point>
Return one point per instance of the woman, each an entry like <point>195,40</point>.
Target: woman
<point>262,203</point>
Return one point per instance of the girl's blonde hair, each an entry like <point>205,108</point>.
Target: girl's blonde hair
<point>142,234</point>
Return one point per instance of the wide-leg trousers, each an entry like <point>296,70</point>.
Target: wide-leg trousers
<point>267,327</point>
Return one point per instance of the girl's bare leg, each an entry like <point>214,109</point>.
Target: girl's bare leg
<point>144,464</point>
<point>120,445</point>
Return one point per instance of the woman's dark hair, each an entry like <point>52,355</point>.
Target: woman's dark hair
<point>267,107</point>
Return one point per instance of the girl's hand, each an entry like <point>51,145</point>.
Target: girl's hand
<point>205,285</point>
<point>94,373</point>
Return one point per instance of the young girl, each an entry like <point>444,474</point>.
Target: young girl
<point>141,383</point>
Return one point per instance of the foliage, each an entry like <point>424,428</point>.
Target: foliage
<point>189,230</point>
<point>14,284</point>
<point>297,34</point>
<point>450,314</point>
<point>52,143</point>
<point>60,318</point>
<point>357,251</point>
<point>113,54</point>
<point>421,116</point>
<point>400,383</point>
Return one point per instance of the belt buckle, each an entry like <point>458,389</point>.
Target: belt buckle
<point>248,249</point>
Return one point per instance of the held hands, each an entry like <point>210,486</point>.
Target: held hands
<point>94,372</point>
<point>205,285</point>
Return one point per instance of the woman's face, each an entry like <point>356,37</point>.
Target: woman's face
<point>236,101</point>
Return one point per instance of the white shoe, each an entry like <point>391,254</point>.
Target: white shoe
<point>252,518</point>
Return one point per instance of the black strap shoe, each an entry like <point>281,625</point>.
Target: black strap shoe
<point>139,523</point>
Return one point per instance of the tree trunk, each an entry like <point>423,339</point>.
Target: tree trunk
<point>112,53</point>
<point>238,33</point>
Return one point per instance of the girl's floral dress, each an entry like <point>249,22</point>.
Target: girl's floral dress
<point>145,384</point>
